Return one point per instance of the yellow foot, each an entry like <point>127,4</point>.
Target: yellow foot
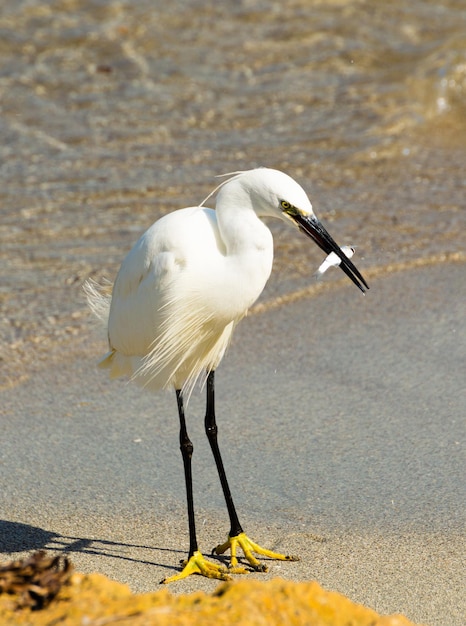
<point>248,547</point>
<point>196,564</point>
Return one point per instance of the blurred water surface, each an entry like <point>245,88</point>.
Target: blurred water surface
<point>115,112</point>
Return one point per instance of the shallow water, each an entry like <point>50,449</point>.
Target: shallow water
<point>113,113</point>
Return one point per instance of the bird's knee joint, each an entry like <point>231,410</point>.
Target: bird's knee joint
<point>187,448</point>
<point>211,430</point>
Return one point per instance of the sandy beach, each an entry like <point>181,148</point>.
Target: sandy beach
<point>341,416</point>
<point>342,442</point>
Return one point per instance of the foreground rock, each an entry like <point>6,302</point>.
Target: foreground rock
<point>76,599</point>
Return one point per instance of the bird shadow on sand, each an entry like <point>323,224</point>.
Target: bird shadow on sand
<point>17,537</point>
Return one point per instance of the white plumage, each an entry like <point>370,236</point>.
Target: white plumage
<point>177,298</point>
<point>190,279</point>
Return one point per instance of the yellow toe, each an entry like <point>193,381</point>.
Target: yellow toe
<point>248,547</point>
<point>197,564</point>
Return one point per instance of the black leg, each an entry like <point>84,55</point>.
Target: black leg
<point>187,452</point>
<point>211,432</point>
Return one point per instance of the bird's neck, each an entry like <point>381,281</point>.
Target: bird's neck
<point>241,229</point>
<point>249,250</point>
<point>243,232</point>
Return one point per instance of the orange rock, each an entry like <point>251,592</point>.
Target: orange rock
<point>94,599</point>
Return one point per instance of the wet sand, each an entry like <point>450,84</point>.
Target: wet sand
<point>341,423</point>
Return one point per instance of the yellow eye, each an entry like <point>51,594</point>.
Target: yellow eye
<point>286,206</point>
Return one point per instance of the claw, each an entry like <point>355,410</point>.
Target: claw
<point>248,547</point>
<point>197,564</point>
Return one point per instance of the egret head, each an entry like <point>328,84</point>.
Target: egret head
<point>268,191</point>
<point>273,193</point>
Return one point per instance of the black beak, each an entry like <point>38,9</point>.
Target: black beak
<point>310,225</point>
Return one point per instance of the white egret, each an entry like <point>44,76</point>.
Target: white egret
<point>177,298</point>
<point>333,260</point>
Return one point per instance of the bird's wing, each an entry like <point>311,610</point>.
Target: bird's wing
<point>160,328</point>
<point>143,286</point>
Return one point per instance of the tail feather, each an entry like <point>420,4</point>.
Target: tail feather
<point>99,298</point>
